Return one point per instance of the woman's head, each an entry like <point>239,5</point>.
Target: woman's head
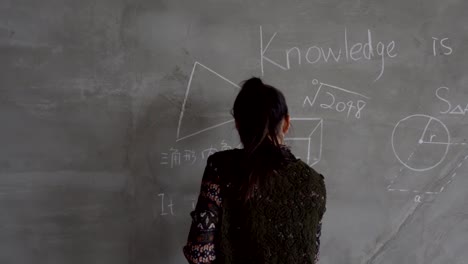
<point>262,119</point>
<point>261,114</point>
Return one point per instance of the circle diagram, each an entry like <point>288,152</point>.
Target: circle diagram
<point>420,142</point>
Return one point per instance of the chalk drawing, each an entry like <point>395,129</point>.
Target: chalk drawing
<point>176,203</point>
<point>164,158</point>
<point>263,50</point>
<point>170,205</point>
<point>422,141</point>
<point>441,44</point>
<point>190,156</point>
<point>453,110</point>
<point>208,152</point>
<point>174,158</point>
<point>187,92</point>
<point>359,51</point>
<point>454,174</point>
<point>441,189</point>
<point>308,138</point>
<point>417,198</point>
<point>357,106</point>
<point>317,129</point>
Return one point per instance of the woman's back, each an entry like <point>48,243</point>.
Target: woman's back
<point>258,204</point>
<point>279,224</point>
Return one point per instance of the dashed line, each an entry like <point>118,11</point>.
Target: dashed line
<point>416,191</point>
<point>453,175</point>
<point>443,143</point>
<point>394,179</point>
<point>464,143</point>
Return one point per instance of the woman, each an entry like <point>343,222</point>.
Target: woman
<point>259,204</point>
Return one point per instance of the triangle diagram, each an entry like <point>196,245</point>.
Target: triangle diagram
<point>458,110</point>
<point>207,103</point>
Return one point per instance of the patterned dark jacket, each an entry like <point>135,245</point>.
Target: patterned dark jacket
<point>281,225</point>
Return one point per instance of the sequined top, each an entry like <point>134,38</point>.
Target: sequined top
<point>282,225</point>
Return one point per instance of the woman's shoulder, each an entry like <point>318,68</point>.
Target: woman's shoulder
<point>306,170</point>
<point>305,173</point>
<point>315,180</point>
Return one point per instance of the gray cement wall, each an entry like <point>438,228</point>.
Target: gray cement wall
<point>109,109</point>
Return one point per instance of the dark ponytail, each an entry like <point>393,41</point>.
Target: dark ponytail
<point>258,111</point>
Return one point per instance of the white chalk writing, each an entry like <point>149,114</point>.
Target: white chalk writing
<point>355,106</point>
<point>451,110</point>
<point>367,50</point>
<point>163,206</point>
<point>442,46</point>
<point>176,158</point>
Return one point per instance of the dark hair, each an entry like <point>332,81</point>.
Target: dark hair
<point>258,111</point>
